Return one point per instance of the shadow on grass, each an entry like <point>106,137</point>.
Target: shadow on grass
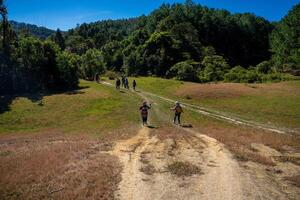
<point>35,97</point>
<point>187,125</point>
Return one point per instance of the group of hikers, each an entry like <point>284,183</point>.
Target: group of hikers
<point>125,83</point>
<point>145,107</point>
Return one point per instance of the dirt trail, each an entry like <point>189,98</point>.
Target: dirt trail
<point>145,174</point>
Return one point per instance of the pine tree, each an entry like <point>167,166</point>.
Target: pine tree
<point>59,39</point>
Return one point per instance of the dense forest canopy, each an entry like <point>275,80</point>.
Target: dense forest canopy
<point>185,41</point>
<point>37,31</point>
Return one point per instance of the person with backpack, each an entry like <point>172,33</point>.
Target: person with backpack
<point>144,112</point>
<point>126,83</point>
<point>134,84</point>
<point>123,81</point>
<point>118,83</point>
<point>97,77</point>
<point>178,110</point>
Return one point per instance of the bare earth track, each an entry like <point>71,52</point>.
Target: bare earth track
<point>146,157</point>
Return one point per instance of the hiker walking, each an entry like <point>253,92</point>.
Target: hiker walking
<point>178,110</point>
<point>123,82</point>
<point>126,83</point>
<point>144,112</point>
<point>134,85</point>
<point>118,83</point>
<point>97,77</point>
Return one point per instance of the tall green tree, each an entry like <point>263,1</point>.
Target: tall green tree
<point>92,63</point>
<point>285,39</point>
<point>59,39</point>
<point>3,13</point>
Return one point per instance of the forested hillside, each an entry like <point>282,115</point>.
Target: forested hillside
<point>184,41</point>
<point>38,31</point>
<point>190,42</point>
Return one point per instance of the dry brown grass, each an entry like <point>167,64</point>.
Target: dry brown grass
<point>211,90</point>
<point>291,159</point>
<point>295,180</point>
<point>230,90</point>
<point>244,154</point>
<point>239,140</point>
<point>55,166</point>
<point>148,169</point>
<point>183,168</point>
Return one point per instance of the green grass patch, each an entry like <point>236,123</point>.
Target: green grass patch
<point>93,109</point>
<point>276,104</point>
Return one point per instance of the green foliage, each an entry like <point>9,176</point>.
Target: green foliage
<point>59,39</point>
<point>183,71</point>
<point>264,67</point>
<point>214,68</point>
<point>33,30</point>
<point>236,74</point>
<point>92,63</point>
<point>111,75</point>
<point>241,75</point>
<point>159,53</point>
<point>68,65</point>
<point>112,55</point>
<point>285,40</point>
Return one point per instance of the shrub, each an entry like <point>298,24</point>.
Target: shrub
<point>264,67</point>
<point>68,65</point>
<point>92,63</point>
<point>240,75</point>
<point>215,68</point>
<point>252,77</point>
<point>183,71</point>
<point>111,75</point>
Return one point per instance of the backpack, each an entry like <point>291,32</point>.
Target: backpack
<point>144,110</point>
<point>178,109</point>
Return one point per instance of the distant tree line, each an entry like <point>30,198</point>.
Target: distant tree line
<point>37,31</point>
<point>184,41</point>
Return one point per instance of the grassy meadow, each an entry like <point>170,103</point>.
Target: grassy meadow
<point>276,104</point>
<point>93,109</point>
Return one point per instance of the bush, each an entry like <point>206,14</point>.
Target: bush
<point>264,67</point>
<point>252,77</point>
<point>183,71</point>
<point>236,74</point>
<point>92,63</point>
<point>240,75</point>
<point>68,65</point>
<point>111,75</point>
<point>215,68</point>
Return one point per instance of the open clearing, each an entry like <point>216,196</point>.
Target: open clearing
<point>273,104</point>
<point>92,147</point>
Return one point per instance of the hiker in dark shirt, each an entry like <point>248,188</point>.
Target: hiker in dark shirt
<point>144,112</point>
<point>178,110</point>
<point>118,83</point>
<point>134,84</point>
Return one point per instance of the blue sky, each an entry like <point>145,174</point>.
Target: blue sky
<point>65,14</point>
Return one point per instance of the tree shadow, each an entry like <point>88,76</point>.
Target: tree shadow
<point>35,97</point>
